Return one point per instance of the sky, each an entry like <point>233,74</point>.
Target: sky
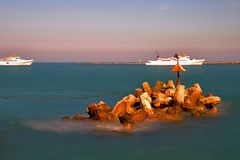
<point>119,30</point>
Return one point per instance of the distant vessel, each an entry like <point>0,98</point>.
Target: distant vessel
<point>15,61</point>
<point>183,58</point>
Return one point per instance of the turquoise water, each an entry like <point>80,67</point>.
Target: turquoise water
<point>32,100</point>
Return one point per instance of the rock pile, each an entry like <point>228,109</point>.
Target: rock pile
<point>163,102</point>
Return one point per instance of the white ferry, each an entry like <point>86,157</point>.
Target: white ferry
<point>183,59</point>
<point>15,61</point>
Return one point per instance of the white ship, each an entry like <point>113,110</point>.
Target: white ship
<point>15,61</point>
<point>183,59</point>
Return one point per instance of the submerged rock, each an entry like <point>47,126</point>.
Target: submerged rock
<point>78,116</point>
<point>66,118</point>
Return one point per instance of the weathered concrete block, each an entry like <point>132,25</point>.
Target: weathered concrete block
<point>130,99</point>
<point>147,88</point>
<point>138,92</point>
<point>146,102</point>
<point>170,84</point>
<point>179,94</point>
<point>158,86</point>
<point>211,100</point>
<point>170,92</point>
<point>120,108</point>
<point>140,115</point>
<point>196,94</point>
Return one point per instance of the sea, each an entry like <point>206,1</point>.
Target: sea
<point>34,98</point>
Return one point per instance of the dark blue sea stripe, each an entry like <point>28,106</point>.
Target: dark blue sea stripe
<point>57,98</point>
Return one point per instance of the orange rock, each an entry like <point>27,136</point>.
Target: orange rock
<point>78,116</point>
<point>146,101</point>
<point>179,94</point>
<point>138,92</point>
<point>67,118</point>
<point>211,100</point>
<point>140,115</point>
<point>170,92</point>
<point>196,94</point>
<point>119,108</point>
<point>214,110</point>
<point>158,86</point>
<point>170,84</point>
<point>147,88</point>
<point>130,110</point>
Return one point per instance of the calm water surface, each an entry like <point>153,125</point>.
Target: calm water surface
<point>32,99</point>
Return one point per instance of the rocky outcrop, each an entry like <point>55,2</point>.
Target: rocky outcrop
<point>165,102</point>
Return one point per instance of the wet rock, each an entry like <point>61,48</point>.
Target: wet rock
<point>66,118</point>
<point>125,119</point>
<point>78,116</point>
<point>168,114</point>
<point>140,115</point>
<point>147,88</point>
<point>211,101</point>
<point>100,111</point>
<point>214,110</point>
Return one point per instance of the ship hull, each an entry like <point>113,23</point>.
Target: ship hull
<point>172,63</point>
<point>16,63</point>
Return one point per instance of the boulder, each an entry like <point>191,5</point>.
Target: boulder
<point>78,116</point>
<point>126,105</point>
<point>91,109</point>
<point>125,119</point>
<point>120,108</point>
<point>196,94</point>
<point>146,101</point>
<point>100,111</point>
<point>161,99</point>
<point>66,118</point>
<point>170,84</point>
<point>138,92</point>
<point>158,86</point>
<point>130,99</point>
<point>170,92</point>
<point>211,100</point>
<point>147,88</point>
<point>179,95</point>
<point>140,115</point>
<point>103,106</point>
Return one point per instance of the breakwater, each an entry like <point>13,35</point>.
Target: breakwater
<point>143,63</point>
<point>163,102</point>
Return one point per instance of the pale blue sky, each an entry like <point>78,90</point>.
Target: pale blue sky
<point>119,30</point>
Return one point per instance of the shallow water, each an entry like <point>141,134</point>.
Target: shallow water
<point>32,99</point>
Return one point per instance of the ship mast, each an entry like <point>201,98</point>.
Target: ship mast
<point>157,54</point>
